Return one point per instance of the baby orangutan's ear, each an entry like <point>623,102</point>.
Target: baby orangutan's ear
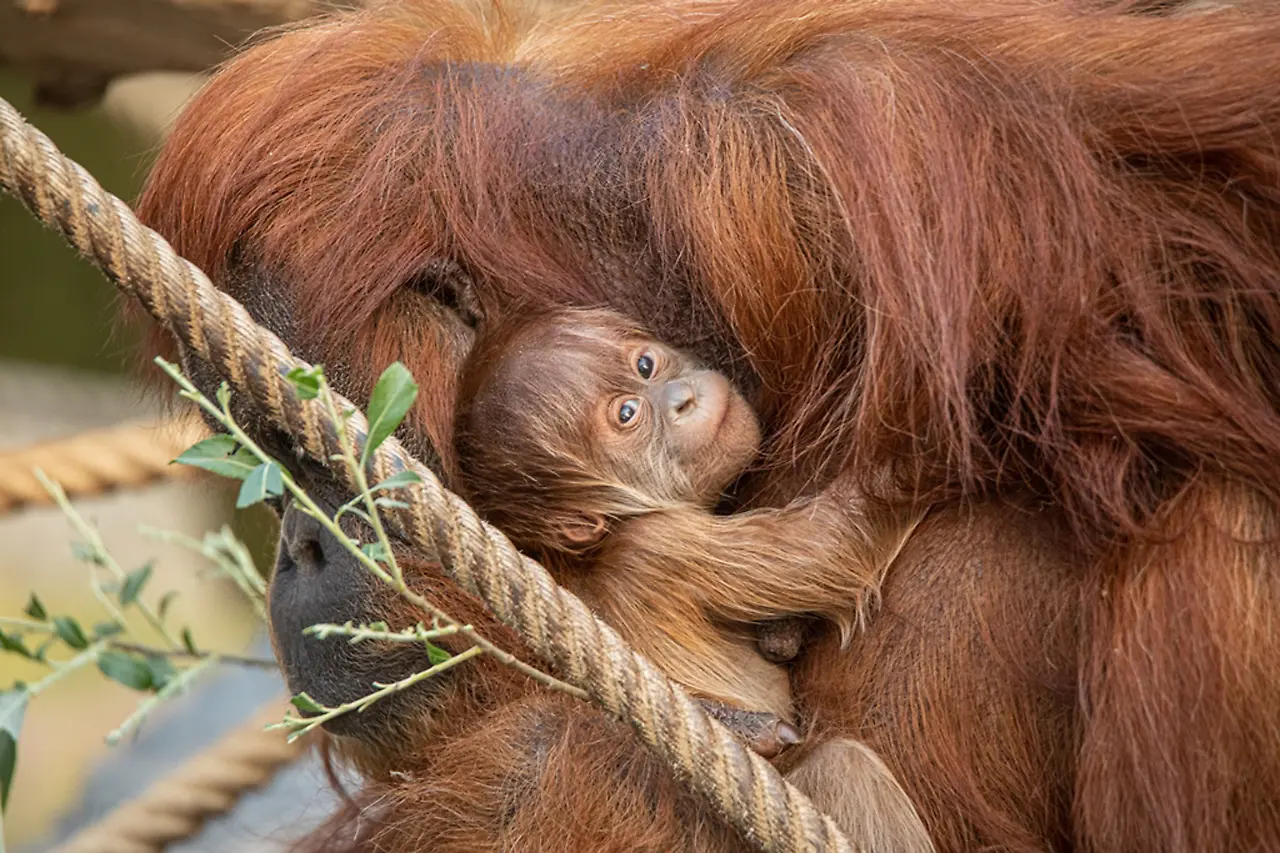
<point>583,529</point>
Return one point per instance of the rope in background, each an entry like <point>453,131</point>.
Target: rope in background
<point>101,460</point>
<point>212,782</point>
<point>177,805</point>
<point>556,624</point>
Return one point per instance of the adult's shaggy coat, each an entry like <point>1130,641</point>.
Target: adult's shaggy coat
<point>1017,261</point>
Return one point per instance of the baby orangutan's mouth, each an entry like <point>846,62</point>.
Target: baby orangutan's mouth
<point>715,400</point>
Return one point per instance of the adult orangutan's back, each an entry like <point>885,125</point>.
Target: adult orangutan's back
<point>1017,262</point>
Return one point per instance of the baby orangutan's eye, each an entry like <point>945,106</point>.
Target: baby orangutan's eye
<point>645,365</point>
<point>627,411</point>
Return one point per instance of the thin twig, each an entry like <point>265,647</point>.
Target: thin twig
<point>228,554</point>
<point>298,726</point>
<point>103,558</point>
<point>178,684</point>
<point>202,657</point>
<point>356,467</point>
<point>307,505</point>
<point>151,651</point>
<point>26,625</point>
<point>65,668</point>
<point>359,633</point>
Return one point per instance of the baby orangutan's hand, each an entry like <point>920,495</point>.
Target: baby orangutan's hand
<point>767,734</point>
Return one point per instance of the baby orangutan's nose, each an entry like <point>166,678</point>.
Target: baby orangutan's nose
<point>679,399</point>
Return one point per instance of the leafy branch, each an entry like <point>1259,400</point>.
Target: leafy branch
<point>93,552</point>
<point>322,714</point>
<point>64,646</point>
<point>229,556</point>
<point>235,454</point>
<point>161,672</point>
<point>381,631</point>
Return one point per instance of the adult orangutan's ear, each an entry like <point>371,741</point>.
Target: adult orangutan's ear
<point>583,529</point>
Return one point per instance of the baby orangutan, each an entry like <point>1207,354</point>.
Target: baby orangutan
<point>603,452</point>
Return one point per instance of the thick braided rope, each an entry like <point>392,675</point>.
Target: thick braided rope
<point>91,463</point>
<point>555,623</point>
<point>210,784</point>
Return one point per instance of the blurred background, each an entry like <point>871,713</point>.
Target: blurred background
<point>103,78</point>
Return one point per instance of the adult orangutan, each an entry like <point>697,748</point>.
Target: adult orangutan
<point>1014,261</point>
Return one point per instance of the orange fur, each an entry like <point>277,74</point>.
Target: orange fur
<point>681,585</point>
<point>537,451</point>
<point>1016,259</point>
<point>539,448</point>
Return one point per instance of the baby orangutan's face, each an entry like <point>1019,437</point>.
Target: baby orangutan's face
<point>573,420</point>
<point>660,410</point>
<point>587,398</point>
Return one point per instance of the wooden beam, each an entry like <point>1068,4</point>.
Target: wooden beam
<point>73,48</point>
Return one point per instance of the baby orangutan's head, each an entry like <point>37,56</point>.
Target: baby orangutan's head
<point>567,422</point>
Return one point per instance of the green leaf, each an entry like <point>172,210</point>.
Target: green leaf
<point>306,381</point>
<point>398,481</point>
<point>107,629</point>
<point>388,404</point>
<point>436,655</point>
<point>219,445</point>
<point>86,553</point>
<point>13,705</point>
<point>222,455</point>
<point>162,671</point>
<point>13,643</point>
<point>223,395</point>
<point>352,509</point>
<point>265,481</point>
<point>133,583</point>
<point>307,705</point>
<point>70,632</point>
<point>35,609</point>
<point>189,642</point>
<point>129,670</point>
<point>375,551</point>
<point>390,503</point>
<point>39,653</point>
<point>165,600</point>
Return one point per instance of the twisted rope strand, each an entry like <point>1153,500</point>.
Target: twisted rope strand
<point>91,463</point>
<point>555,623</point>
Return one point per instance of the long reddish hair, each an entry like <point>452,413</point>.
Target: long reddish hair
<point>1005,261</point>
<point>986,247</point>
